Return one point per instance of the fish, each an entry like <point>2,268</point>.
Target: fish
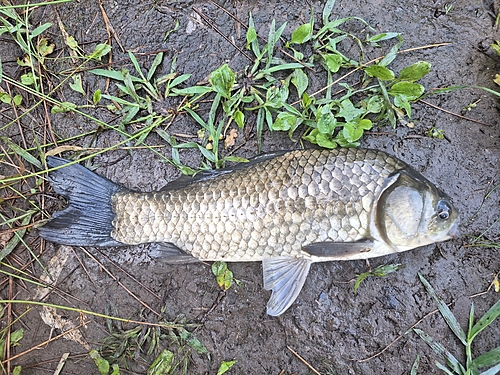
<point>286,209</point>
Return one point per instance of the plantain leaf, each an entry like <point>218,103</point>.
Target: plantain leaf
<point>415,71</point>
<point>302,34</point>
<point>380,72</point>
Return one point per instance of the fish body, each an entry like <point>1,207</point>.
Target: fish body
<point>286,209</point>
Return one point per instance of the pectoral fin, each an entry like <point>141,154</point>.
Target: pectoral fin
<point>285,276</point>
<point>338,250</point>
<point>169,253</point>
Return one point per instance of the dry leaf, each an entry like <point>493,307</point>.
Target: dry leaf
<point>230,139</point>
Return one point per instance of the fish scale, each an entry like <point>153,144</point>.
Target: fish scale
<point>290,201</point>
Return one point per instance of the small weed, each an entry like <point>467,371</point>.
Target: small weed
<point>380,271</point>
<point>435,133</point>
<point>472,365</point>
<point>225,366</point>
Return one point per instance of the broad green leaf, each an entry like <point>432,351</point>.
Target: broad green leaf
<point>77,84</point>
<point>333,62</point>
<point>72,43</point>
<point>380,72</point>
<point>17,370</point>
<point>485,320</point>
<point>96,98</point>
<point>223,275</point>
<point>17,99</point>
<point>300,81</point>
<point>401,101</point>
<point>348,111</point>
<point>415,71</point>
<point>16,336</point>
<point>192,341</point>
<point>101,363</point>
<point>302,34</point>
<point>284,121</point>
<point>445,312</point>
<point>162,364</point>
<point>410,90</point>
<point>222,80</point>
<point>99,51</point>
<point>326,121</point>
<point>374,104</point>
<point>251,36</point>
<point>239,118</point>
<point>441,351</point>
<point>496,47</point>
<point>28,79</point>
<point>225,366</point>
<point>115,370</point>
<point>5,98</point>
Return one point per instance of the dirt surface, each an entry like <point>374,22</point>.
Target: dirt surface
<point>329,326</point>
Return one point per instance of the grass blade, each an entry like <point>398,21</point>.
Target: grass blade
<point>22,152</point>
<point>442,352</point>
<point>492,371</point>
<point>445,312</point>
<point>488,359</point>
<point>485,320</point>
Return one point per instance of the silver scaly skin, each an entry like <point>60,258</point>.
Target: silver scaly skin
<point>286,209</point>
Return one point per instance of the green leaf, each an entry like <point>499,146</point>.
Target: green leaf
<point>380,271</point>
<point>488,359</point>
<point>225,366</point>
<point>96,98</point>
<point>411,91</point>
<point>77,84</point>
<point>445,312</point>
<point>326,121</point>
<point>156,62</point>
<point>28,79</point>
<point>485,320</point>
<point>392,53</point>
<point>354,130</point>
<point>401,101</point>
<point>101,363</point>
<point>17,370</point>
<point>115,369</point>
<point>239,118</point>
<point>380,72</point>
<point>99,51</point>
<point>192,90</point>
<point>222,80</point>
<point>415,71</point>
<point>284,121</point>
<point>375,104</point>
<point>72,43</point>
<point>16,336</point>
<point>5,98</point>
<point>300,81</point>
<point>414,367</point>
<point>327,10</point>
<point>40,29</point>
<point>333,62</point>
<point>494,370</point>
<point>251,36</point>
<point>382,36</point>
<point>321,139</point>
<point>178,80</point>
<point>302,34</point>
<point>162,364</point>
<point>222,274</point>
<point>17,99</point>
<point>348,111</point>
<point>441,351</point>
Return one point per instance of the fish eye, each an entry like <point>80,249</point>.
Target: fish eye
<point>443,210</point>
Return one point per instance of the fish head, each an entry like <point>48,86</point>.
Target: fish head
<point>413,212</point>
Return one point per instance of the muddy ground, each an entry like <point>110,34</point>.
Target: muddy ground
<point>328,326</point>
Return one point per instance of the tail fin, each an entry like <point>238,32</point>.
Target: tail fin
<point>87,221</point>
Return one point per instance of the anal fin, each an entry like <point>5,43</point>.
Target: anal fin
<point>285,276</point>
<point>169,253</point>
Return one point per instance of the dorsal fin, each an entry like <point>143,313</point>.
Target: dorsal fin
<point>207,175</point>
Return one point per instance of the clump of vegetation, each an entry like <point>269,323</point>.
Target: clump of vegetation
<point>488,363</point>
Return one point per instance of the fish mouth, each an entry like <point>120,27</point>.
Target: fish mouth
<point>454,232</point>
